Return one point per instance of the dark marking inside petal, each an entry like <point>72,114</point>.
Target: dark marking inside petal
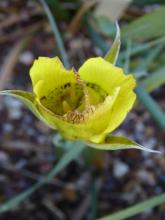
<point>70,93</point>
<point>70,97</point>
<point>42,98</point>
<point>67,85</point>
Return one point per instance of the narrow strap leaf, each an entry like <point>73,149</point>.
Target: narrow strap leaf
<point>56,33</point>
<point>152,106</point>
<point>136,209</point>
<point>154,80</point>
<point>113,53</point>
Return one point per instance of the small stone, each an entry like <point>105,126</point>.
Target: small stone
<point>4,158</point>
<point>145,176</point>
<point>70,193</point>
<point>14,108</point>
<point>26,58</point>
<point>140,127</point>
<point>120,169</point>
<point>8,128</point>
<point>42,127</point>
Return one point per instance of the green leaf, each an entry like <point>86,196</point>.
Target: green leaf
<point>146,61</point>
<point>28,99</point>
<point>56,33</point>
<point>154,80</point>
<point>139,48</point>
<point>152,106</point>
<point>112,142</point>
<point>113,53</point>
<point>149,26</point>
<point>136,209</point>
<point>65,160</point>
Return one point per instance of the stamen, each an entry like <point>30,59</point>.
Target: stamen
<point>86,93</point>
<point>74,117</point>
<point>72,94</point>
<point>66,107</point>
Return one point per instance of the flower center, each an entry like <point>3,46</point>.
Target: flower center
<point>74,101</point>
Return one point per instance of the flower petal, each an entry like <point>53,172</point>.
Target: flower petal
<point>104,74</point>
<point>48,74</point>
<point>122,105</point>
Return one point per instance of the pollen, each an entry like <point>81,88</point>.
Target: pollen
<point>77,117</point>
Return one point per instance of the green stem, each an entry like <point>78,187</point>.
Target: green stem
<point>56,32</point>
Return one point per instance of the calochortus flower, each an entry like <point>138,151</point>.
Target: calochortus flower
<point>85,104</point>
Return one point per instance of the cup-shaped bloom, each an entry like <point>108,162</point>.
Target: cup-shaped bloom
<point>83,105</point>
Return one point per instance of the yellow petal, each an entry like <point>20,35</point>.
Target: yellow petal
<point>48,74</point>
<point>102,73</point>
<point>97,138</point>
<point>122,105</point>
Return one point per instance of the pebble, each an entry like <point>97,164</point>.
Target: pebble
<point>8,128</point>
<point>26,58</point>
<point>120,169</point>
<point>14,107</point>
<point>4,158</point>
<point>145,176</point>
<point>140,127</point>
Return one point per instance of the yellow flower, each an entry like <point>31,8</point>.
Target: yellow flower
<point>84,105</point>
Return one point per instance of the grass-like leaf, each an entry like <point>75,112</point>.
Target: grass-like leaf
<point>56,33</point>
<point>146,27</point>
<point>154,80</point>
<point>136,209</point>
